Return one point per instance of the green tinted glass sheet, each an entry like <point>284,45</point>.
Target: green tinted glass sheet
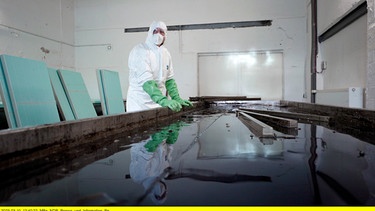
<point>29,92</point>
<point>77,94</point>
<point>5,97</point>
<point>110,92</point>
<point>60,95</point>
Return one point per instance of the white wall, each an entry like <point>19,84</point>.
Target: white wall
<point>28,26</point>
<point>100,23</point>
<point>345,53</point>
<point>346,57</point>
<point>370,84</point>
<point>77,34</point>
<point>330,12</point>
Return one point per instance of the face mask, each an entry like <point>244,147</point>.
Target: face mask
<point>157,38</point>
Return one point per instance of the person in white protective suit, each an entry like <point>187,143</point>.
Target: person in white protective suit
<point>151,161</point>
<point>151,74</point>
<point>147,167</point>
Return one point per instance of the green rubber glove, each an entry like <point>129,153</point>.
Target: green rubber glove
<point>173,92</point>
<point>151,87</point>
<point>173,132</point>
<point>156,139</point>
<point>169,133</point>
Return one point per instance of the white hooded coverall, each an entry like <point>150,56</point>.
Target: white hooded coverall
<point>147,62</point>
<point>146,167</point>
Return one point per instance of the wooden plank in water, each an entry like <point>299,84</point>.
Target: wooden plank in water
<point>292,115</point>
<point>223,98</point>
<point>259,128</point>
<point>281,121</point>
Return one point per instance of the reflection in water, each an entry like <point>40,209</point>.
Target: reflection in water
<point>343,166</point>
<point>150,161</point>
<point>230,138</point>
<point>346,195</point>
<point>213,176</point>
<point>215,160</point>
<point>147,168</point>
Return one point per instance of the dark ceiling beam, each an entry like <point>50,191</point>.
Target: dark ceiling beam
<point>344,22</point>
<point>241,24</point>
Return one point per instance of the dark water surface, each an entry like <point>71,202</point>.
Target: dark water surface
<point>210,160</point>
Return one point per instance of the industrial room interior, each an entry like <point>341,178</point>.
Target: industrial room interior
<point>87,35</point>
<point>314,55</point>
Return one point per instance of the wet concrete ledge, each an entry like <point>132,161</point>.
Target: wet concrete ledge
<point>80,131</point>
<point>363,119</point>
<point>84,131</point>
<point>359,123</point>
<point>42,154</point>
